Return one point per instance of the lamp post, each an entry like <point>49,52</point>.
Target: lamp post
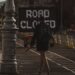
<point>8,61</point>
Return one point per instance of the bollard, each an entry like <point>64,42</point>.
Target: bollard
<point>68,42</point>
<point>8,64</point>
<point>55,38</point>
<point>71,42</point>
<point>59,38</point>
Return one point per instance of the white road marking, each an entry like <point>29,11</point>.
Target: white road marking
<point>70,68</point>
<point>67,63</point>
<point>62,57</point>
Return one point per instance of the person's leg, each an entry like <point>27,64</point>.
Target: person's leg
<point>46,64</point>
<point>41,62</point>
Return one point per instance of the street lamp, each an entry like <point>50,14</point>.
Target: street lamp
<point>8,62</point>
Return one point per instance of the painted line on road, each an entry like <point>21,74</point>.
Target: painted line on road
<point>58,63</point>
<point>62,57</point>
<point>19,44</point>
<point>70,64</point>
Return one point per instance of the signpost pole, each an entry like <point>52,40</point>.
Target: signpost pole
<point>8,62</point>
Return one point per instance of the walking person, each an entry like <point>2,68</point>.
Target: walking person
<point>41,37</point>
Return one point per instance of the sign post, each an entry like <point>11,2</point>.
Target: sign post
<point>8,63</point>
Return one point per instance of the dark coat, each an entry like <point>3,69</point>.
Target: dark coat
<point>41,44</point>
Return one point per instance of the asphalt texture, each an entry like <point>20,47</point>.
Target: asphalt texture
<point>29,63</point>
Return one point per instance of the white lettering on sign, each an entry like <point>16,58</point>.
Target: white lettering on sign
<point>40,13</point>
<point>28,13</point>
<point>25,24</point>
<point>52,24</point>
<point>34,23</point>
<point>34,14</point>
<point>37,13</point>
<point>32,18</point>
<point>46,13</point>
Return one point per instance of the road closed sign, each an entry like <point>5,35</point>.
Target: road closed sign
<point>30,17</point>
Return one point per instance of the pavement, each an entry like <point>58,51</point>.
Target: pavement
<point>61,61</point>
<point>28,63</point>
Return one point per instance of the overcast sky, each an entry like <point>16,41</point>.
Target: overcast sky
<point>2,0</point>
